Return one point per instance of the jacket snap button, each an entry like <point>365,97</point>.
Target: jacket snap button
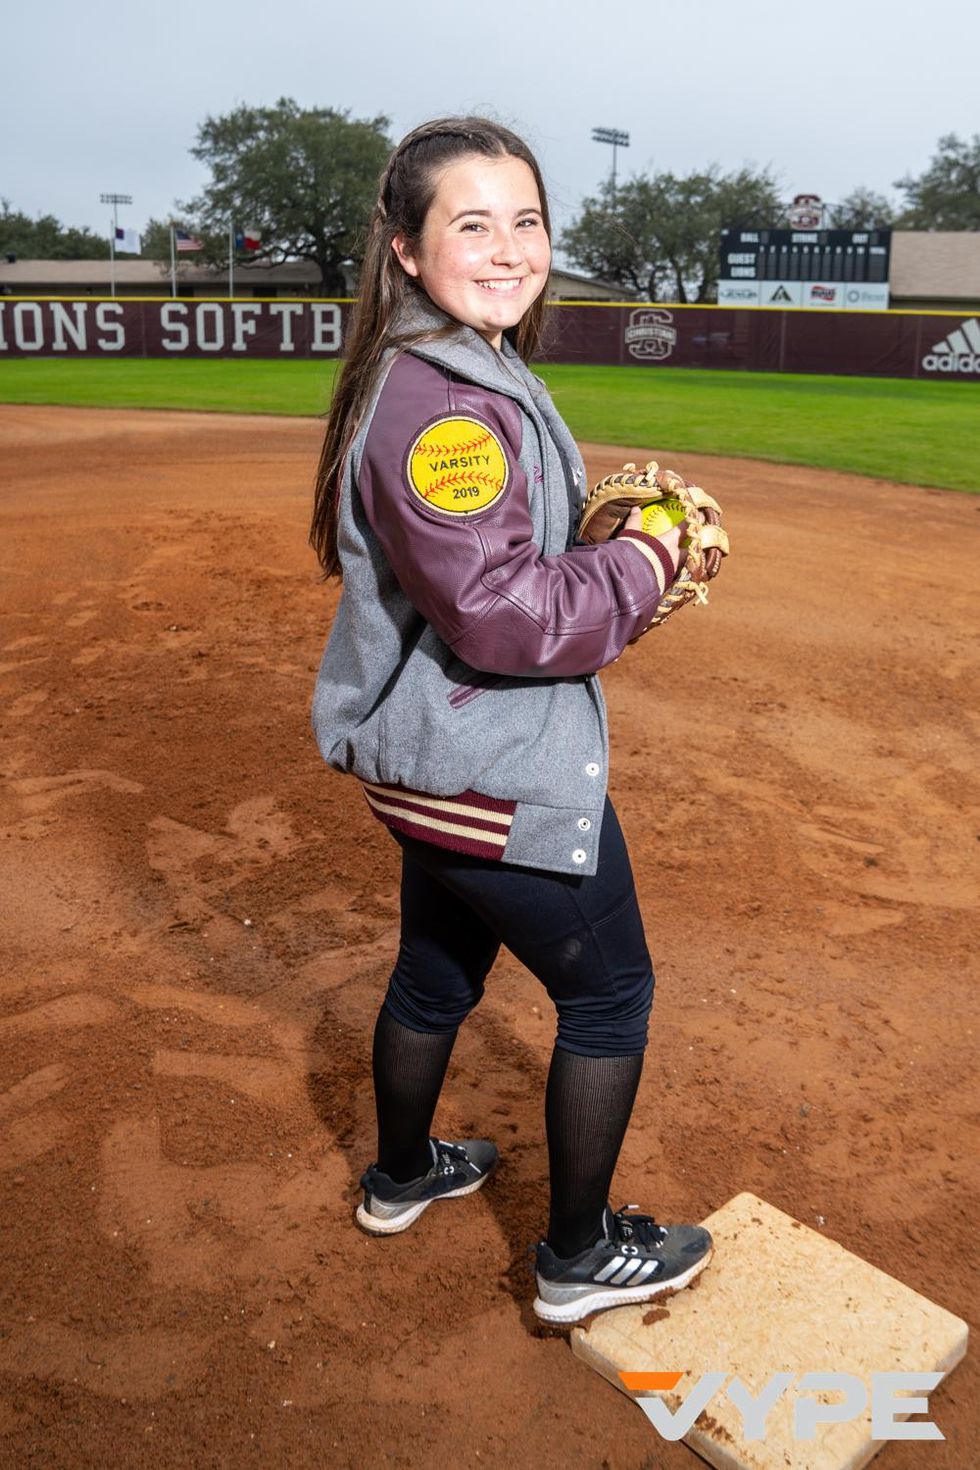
<point>584,824</point>
<point>579,855</point>
<point>592,769</point>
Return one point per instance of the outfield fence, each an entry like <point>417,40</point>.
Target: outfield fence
<point>891,344</point>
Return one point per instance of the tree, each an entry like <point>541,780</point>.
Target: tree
<point>658,235</point>
<point>862,209</point>
<point>305,178</point>
<point>156,239</point>
<point>947,195</point>
<point>46,238</point>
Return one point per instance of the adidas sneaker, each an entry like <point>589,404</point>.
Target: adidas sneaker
<point>457,1169</point>
<point>634,1260</point>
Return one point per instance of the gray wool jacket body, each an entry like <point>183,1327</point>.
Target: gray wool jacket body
<point>464,650</point>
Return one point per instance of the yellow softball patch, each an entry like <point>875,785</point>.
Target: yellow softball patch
<point>457,465</point>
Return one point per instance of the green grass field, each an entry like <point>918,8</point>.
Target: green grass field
<point>922,433</point>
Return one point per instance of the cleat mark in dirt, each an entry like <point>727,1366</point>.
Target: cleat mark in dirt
<point>827,834</point>
<point>24,642</point>
<point>219,1009</point>
<point>26,704</point>
<point>39,793</point>
<point>124,1365</point>
<point>14,666</point>
<point>25,1139</point>
<point>35,1088</point>
<point>255,831</point>
<point>266,1080</point>
<point>79,619</point>
<point>197,1226</point>
<point>83,1008</point>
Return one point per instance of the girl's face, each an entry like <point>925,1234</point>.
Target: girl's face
<point>484,254</point>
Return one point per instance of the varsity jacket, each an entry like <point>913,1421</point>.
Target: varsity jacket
<point>459,678</point>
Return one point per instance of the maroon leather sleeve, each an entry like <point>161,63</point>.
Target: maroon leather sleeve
<point>479,578</point>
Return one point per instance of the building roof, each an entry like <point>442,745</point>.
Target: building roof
<point>59,274</point>
<point>935,263</point>
<point>925,265</point>
<point>62,276</point>
<point>566,283</point>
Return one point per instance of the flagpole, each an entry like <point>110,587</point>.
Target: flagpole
<point>173,263</point>
<point>114,200</point>
<point>231,258</point>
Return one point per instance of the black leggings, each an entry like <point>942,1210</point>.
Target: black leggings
<point>581,936</point>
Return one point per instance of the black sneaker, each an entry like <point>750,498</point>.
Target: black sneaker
<point>457,1168</point>
<point>634,1260</point>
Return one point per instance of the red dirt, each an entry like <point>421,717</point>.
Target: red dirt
<point>200,918</point>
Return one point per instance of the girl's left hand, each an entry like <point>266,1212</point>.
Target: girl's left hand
<point>669,540</point>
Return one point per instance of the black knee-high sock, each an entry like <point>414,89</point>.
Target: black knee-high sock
<point>588,1103</point>
<point>409,1068</point>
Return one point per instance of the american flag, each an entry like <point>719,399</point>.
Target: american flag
<point>184,241</point>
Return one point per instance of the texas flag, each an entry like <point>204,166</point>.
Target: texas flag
<point>248,240</point>
<point>127,241</point>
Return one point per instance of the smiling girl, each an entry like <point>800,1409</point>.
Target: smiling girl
<point>459,685</point>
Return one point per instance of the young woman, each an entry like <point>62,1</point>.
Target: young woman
<point>459,685</point>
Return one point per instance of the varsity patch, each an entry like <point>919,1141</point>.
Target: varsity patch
<point>457,465</point>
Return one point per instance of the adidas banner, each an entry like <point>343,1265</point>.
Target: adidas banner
<point>958,352</point>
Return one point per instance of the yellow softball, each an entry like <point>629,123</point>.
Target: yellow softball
<point>662,514</point>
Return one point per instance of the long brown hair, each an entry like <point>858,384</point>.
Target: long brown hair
<point>407,188</point>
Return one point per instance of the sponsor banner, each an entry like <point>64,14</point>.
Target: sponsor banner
<point>866,296</point>
<point>958,352</point>
<point>823,294</point>
<point>781,293</point>
<point>738,293</point>
<point>869,341</point>
<point>873,343</point>
<point>171,328</point>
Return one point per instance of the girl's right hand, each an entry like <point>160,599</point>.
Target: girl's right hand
<point>669,540</point>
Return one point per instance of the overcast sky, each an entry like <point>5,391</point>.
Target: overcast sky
<point>107,97</point>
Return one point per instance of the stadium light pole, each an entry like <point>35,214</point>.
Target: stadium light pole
<point>114,200</point>
<point>617,138</point>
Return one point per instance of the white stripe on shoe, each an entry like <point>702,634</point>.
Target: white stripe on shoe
<point>607,1270</point>
<point>621,1277</point>
<point>647,1269</point>
<point>568,1313</point>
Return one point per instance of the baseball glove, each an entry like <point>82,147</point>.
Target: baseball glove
<point>666,500</point>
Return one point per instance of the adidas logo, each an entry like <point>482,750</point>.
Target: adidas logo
<point>620,1271</point>
<point>959,353</point>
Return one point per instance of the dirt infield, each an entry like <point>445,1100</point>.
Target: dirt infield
<point>200,918</point>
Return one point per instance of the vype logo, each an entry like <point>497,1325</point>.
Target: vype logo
<point>809,1413</point>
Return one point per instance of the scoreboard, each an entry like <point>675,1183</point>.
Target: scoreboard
<point>816,268</point>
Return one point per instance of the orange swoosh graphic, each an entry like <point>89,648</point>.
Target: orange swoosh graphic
<point>636,1382</point>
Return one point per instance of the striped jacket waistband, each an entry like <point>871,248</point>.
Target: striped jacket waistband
<point>470,823</point>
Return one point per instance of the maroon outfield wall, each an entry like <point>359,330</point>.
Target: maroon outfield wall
<point>882,344</point>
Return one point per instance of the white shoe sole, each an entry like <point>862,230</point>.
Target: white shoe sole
<point>374,1225</point>
<point>624,1296</point>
